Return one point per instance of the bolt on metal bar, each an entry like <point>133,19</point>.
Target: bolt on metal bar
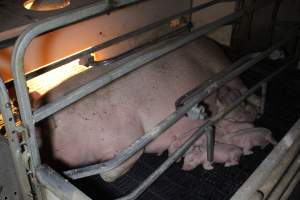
<point>58,185</point>
<point>131,34</point>
<point>179,152</point>
<point>203,91</point>
<point>163,49</point>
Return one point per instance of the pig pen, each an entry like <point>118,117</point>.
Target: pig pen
<point>221,183</point>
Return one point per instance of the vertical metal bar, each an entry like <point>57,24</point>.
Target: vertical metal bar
<point>14,146</point>
<point>210,143</point>
<point>264,88</point>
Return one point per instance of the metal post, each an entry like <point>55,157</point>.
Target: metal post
<point>261,111</point>
<point>210,143</point>
<point>14,146</point>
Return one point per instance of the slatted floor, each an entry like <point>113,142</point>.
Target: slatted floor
<point>282,110</point>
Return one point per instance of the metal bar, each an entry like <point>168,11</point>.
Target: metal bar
<point>291,186</point>
<point>264,88</point>
<point>10,128</point>
<point>285,180</point>
<point>58,185</point>
<point>163,49</point>
<point>44,69</point>
<point>162,168</point>
<point>131,34</point>
<point>18,65</point>
<point>133,51</point>
<point>286,148</point>
<point>180,101</point>
<point>210,143</point>
<point>179,152</point>
<point>286,157</point>
<point>203,91</point>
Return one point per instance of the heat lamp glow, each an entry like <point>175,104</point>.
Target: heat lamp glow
<point>39,5</point>
<point>49,80</point>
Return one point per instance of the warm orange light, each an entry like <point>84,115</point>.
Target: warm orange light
<point>49,80</point>
<point>39,5</point>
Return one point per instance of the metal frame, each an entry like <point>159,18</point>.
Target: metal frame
<point>30,147</point>
<point>29,119</point>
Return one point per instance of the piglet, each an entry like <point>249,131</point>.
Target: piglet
<point>249,138</point>
<point>246,112</point>
<point>223,153</point>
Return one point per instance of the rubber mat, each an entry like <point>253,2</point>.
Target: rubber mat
<point>282,110</point>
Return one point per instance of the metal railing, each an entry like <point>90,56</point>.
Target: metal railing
<point>29,119</point>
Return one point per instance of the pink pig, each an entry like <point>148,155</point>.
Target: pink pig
<point>223,153</point>
<point>249,138</point>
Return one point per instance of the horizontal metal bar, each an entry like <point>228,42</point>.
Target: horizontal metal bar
<point>131,34</point>
<point>179,152</point>
<point>163,49</point>
<point>59,186</point>
<point>203,91</point>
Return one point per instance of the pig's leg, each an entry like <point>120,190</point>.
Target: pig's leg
<point>270,139</point>
<point>115,173</point>
<point>175,144</point>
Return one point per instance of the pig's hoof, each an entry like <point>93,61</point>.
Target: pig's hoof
<point>108,177</point>
<point>247,152</point>
<point>208,166</point>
